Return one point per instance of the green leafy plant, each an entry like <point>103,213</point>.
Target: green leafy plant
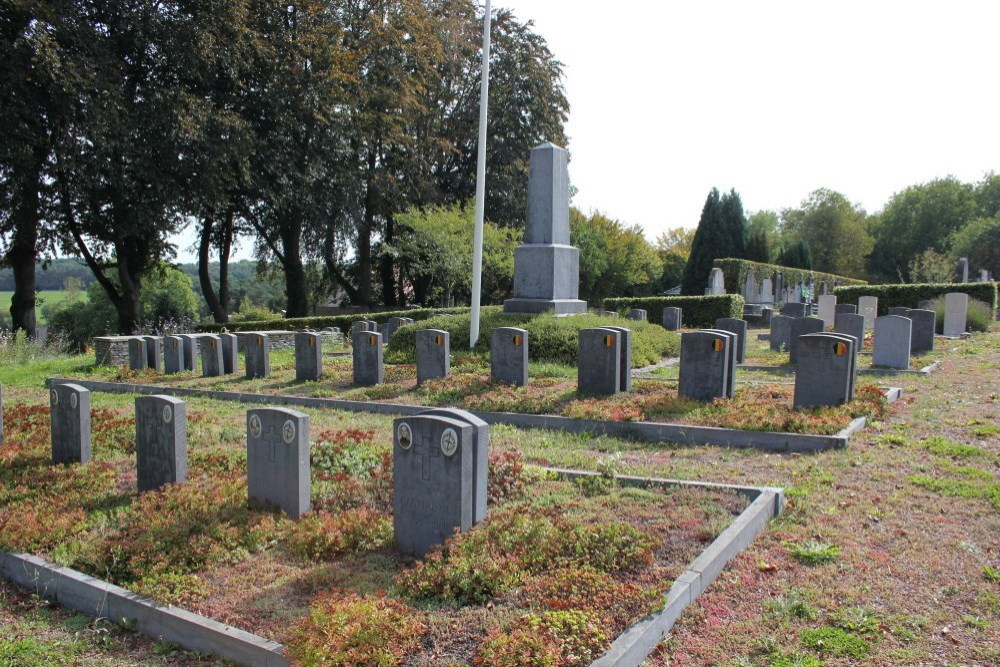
<point>813,553</point>
<point>836,642</point>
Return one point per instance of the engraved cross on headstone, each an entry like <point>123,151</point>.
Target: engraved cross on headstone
<point>426,451</point>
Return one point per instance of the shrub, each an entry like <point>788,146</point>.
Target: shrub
<point>735,273</point>
<point>520,647</point>
<point>506,475</point>
<point>342,322</point>
<point>566,638</point>
<point>699,311</point>
<point>324,536</point>
<point>814,553</point>
<point>908,296</point>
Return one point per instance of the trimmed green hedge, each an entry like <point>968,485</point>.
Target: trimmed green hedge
<point>891,296</point>
<point>700,312</point>
<point>342,322</point>
<point>735,273</point>
<point>552,339</point>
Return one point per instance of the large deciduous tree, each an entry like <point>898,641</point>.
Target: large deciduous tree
<point>834,229</point>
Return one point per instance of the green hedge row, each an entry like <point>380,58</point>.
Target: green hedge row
<point>891,296</point>
<point>551,339</point>
<point>700,312</point>
<point>735,273</point>
<point>342,322</point>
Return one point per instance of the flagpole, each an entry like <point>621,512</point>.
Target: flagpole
<point>477,240</point>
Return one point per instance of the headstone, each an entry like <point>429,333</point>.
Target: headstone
<point>360,325</point>
<point>137,356</point>
<point>434,492</point>
<point>308,356</point>
<point>898,310</point>
<point>546,266</point>
<point>258,355</point>
<point>230,353</point>
<point>433,354</point>
<point>190,352</point>
<point>922,331</point>
<point>509,355</point>
<point>927,304</point>
<point>211,356</point>
<point>731,372</point>
<point>637,314</point>
<point>372,325</point>
<point>160,441</point>
<point>716,282</point>
<point>480,456</point>
<point>672,318</point>
<point>984,276</point>
<point>892,342</point>
<point>599,361</point>
<point>750,292</point>
<point>389,328</point>
<point>853,325</point>
<point>824,375</point>
<point>278,459</point>
<point>767,291</point>
<point>827,308</point>
<point>779,287</point>
<point>781,330</point>
<point>963,270</point>
<point>844,308</point>
<point>69,419</point>
<point>868,309</point>
<point>766,314</point>
<point>738,327</point>
<point>625,358</point>
<point>154,352</point>
<point>824,288</point>
<point>173,355</point>
<point>705,365</point>
<point>956,311</point>
<point>366,349</point>
<point>794,309</point>
<point>800,327</point>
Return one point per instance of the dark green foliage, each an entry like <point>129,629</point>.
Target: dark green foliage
<point>699,311</point>
<point>342,322</point>
<point>890,296</point>
<point>735,273</point>
<point>734,222</point>
<point>722,232</point>
<point>796,255</point>
<point>758,249</point>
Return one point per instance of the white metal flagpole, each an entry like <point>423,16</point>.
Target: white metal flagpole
<point>477,239</point>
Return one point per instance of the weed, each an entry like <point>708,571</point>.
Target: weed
<point>835,642</point>
<point>991,573</point>
<point>813,553</point>
<point>943,447</point>
<point>794,605</point>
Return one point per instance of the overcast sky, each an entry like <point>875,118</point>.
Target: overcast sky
<point>775,99</point>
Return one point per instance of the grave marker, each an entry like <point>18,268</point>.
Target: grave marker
<point>800,327</point>
<point>433,354</point>
<point>672,318</point>
<point>480,456</point>
<point>137,355</point>
<point>258,355</point>
<point>750,292</point>
<point>211,356</point>
<point>731,371</point>
<point>230,353</point>
<point>825,372</point>
<point>705,365</point>
<point>844,308</point>
<point>366,349</point>
<point>190,351</point>
<point>154,352</point>
<point>716,282</point>
<point>892,342</point>
<point>868,308</point>
<point>794,309</point>
<point>637,314</point>
<point>927,304</point>
<point>781,329</point>
<point>956,312</point>
<point>767,291</point>
<point>853,325</point>
<point>1,414</point>
<point>599,361</point>
<point>360,325</point>
<point>173,355</point>
<point>827,309</point>
<point>898,310</point>
<point>160,441</point>
<point>509,355</point>
<point>278,459</point>
<point>738,327</point>
<point>69,419</point>
<point>625,358</point>
<point>922,330</point>
<point>308,356</point>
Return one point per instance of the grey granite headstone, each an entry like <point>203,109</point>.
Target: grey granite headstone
<point>433,354</point>
<point>389,328</point>
<point>738,327</point>
<point>800,327</point>
<point>190,352</point>
<point>779,287</point>
<point>69,419</point>
<point>892,342</point>
<point>480,456</point>
<point>366,350</point>
<point>868,308</point>
<point>599,361</point>
<point>137,356</point>
<point>963,270</point>
<point>927,304</point>
<point>716,282</point>
<point>360,325</point>
<point>672,318</point>
<point>827,308</point>
<point>793,309</point>
<point>258,355</point>
<point>373,325</point>
<point>898,310</point>
<point>211,356</point>
<point>853,325</point>
<point>844,308</point>
<point>278,459</point>
<point>154,352</point>
<point>308,356</point>
<point>731,372</point>
<point>230,353</point>
<point>781,329</point>
<point>956,312</point>
<point>750,291</point>
<point>160,441</point>
<point>766,313</point>
<point>705,365</point>
<point>854,350</point>
<point>509,355</point>
<point>173,355</point>
<point>625,360</point>
<point>767,291</point>
<point>637,314</point>
<point>434,493</point>
<point>825,371</point>
<point>922,331</point>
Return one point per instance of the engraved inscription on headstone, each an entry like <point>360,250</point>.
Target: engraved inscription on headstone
<point>308,356</point>
<point>258,355</point>
<point>433,354</point>
<point>599,361</point>
<point>160,441</point>
<point>509,355</point>
<point>366,347</point>
<point>69,418</point>
<point>278,459</point>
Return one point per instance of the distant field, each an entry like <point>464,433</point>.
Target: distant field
<point>48,297</point>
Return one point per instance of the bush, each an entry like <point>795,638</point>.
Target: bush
<point>978,317</point>
<point>342,322</point>
<point>735,273</point>
<point>699,311</point>
<point>908,296</point>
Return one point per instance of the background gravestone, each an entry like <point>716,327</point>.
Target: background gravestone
<point>154,352</point>
<point>844,308</point>
<point>366,350</point>
<point>258,355</point>
<point>800,327</point>
<point>137,356</point>
<point>738,327</point>
<point>794,309</point>
<point>824,376</point>
<point>173,355</point>
<point>389,328</point>
<point>211,356</point>
<point>637,314</point>
<point>509,355</point>
<point>308,356</point>
<point>160,441</point>
<point>672,318</point>
<point>892,342</point>
<point>69,419</point>
<point>750,292</point>
<point>190,352</point>
<point>433,481</point>
<point>781,328</point>
<point>767,291</point>
<point>956,311</point>
<point>480,456</point>
<point>278,459</point>
<point>854,350</point>
<point>625,360</point>
<point>705,365</point>
<point>898,310</point>
<point>373,325</point>
<point>927,304</point>
<point>599,361</point>
<point>360,325</point>
<point>433,354</point>
<point>868,308</point>
<point>827,310</point>
<point>230,353</point>
<point>922,331</point>
<point>852,325</point>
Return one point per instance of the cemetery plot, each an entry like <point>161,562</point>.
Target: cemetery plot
<point>760,353</point>
<point>560,567</point>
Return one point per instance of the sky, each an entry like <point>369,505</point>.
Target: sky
<point>775,99</point>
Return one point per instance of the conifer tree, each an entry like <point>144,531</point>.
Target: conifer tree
<point>707,239</point>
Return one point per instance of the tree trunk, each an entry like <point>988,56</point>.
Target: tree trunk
<point>22,254</point>
<point>295,274</point>
<point>365,237</point>
<point>129,303</point>
<point>204,275</point>
<point>225,248</point>
<point>388,267</point>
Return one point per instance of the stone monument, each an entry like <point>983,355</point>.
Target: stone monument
<point>211,356</point>
<point>230,353</point>
<point>278,459</point>
<point>892,342</point>
<point>844,308</point>
<point>956,312</point>
<point>154,352</point>
<point>738,327</point>
<point>625,357</point>
<point>672,318</point>
<point>138,358</point>
<point>480,456</point>
<point>69,419</point>
<point>173,355</point>
<point>705,365</point>
<point>922,331</point>
<point>800,327</point>
<point>599,361</point>
<point>308,356</point>
<point>160,441</point>
<point>433,354</point>
<point>853,325</point>
<point>827,309</point>
<point>509,355</point>
<point>824,376</point>
<point>258,355</point>
<point>637,314</point>
<point>366,350</point>
<point>868,308</point>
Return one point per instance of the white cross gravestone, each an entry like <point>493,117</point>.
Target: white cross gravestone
<point>278,459</point>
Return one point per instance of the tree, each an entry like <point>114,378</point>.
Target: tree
<point>988,195</point>
<point>758,248</point>
<point>721,233</point>
<point>674,248</point>
<point>796,256</point>
<point>615,259</point>
<point>932,267</point>
<point>763,236</point>
<point>734,223</point>
<point>834,229</point>
<point>979,241</point>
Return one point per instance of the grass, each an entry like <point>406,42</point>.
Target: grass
<point>43,298</point>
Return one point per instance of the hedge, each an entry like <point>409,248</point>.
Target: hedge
<point>891,296</point>
<point>735,274</point>
<point>700,312</point>
<point>550,338</point>
<point>342,322</point>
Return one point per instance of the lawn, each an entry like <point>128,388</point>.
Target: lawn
<point>49,297</point>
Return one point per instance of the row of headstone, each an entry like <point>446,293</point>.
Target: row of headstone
<point>708,364</point>
<point>604,361</point>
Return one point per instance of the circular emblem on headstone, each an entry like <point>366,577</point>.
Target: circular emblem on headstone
<point>255,427</point>
<point>55,397</point>
<point>288,432</point>
<point>405,435</point>
<point>449,442</point>
<point>74,401</point>
<point>168,414</point>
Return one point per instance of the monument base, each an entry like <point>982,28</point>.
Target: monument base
<point>538,306</point>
